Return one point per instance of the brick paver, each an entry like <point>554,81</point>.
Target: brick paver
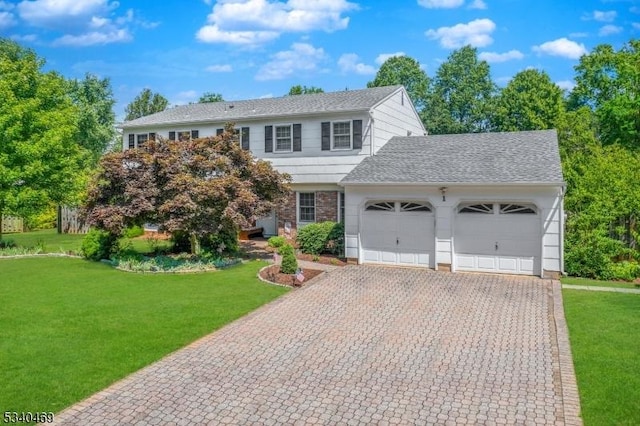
<point>366,345</point>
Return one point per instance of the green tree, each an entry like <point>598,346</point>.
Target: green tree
<point>608,81</point>
<point>40,161</point>
<point>203,188</point>
<point>531,101</point>
<point>96,123</point>
<point>210,97</point>
<point>304,90</point>
<point>146,103</point>
<point>460,96</point>
<point>406,71</point>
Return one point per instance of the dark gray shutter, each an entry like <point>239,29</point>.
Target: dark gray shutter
<point>268,138</point>
<point>132,141</point>
<point>172,136</point>
<point>152,136</point>
<point>297,137</point>
<point>194,134</point>
<point>219,132</point>
<point>245,138</point>
<point>357,134</point>
<point>326,136</point>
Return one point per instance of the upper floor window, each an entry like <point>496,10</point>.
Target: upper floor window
<point>342,135</point>
<point>283,138</point>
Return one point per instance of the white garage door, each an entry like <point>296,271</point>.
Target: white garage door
<point>398,233</point>
<point>498,237</point>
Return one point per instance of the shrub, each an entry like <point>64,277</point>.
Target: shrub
<point>224,242</point>
<point>626,271</point>
<point>133,231</point>
<point>322,237</point>
<point>276,241</point>
<point>5,244</point>
<point>289,263</point>
<point>98,245</point>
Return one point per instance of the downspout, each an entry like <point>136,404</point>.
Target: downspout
<point>562,192</point>
<point>373,139</point>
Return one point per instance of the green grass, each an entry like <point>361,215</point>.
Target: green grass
<point>604,329</point>
<point>597,283</point>
<point>69,327</point>
<point>53,242</point>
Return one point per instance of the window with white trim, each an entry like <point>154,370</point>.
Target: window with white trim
<point>141,139</point>
<point>341,207</point>
<point>517,209</point>
<point>184,135</point>
<point>380,206</point>
<point>481,208</point>
<point>283,139</point>
<point>307,206</point>
<point>410,206</point>
<point>341,134</point>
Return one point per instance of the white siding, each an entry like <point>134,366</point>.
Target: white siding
<point>547,199</point>
<point>392,118</point>
<point>311,165</point>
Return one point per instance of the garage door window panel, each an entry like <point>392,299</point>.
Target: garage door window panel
<point>517,209</point>
<point>415,207</point>
<point>381,206</point>
<point>476,208</point>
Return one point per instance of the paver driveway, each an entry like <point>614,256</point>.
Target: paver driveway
<point>366,345</point>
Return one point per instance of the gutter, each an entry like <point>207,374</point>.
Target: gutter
<point>550,184</point>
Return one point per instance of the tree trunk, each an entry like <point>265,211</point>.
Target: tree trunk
<point>195,244</point>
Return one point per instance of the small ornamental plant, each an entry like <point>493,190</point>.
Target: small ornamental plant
<point>289,263</point>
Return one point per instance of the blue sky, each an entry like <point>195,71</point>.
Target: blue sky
<point>247,49</point>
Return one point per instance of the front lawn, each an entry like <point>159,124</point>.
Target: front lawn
<point>69,327</point>
<point>597,283</point>
<point>604,329</point>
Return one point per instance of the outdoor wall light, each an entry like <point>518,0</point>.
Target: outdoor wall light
<point>443,190</point>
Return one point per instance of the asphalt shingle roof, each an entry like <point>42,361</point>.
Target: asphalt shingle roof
<point>476,158</point>
<point>348,100</point>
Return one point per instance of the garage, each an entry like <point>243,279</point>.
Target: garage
<point>498,237</point>
<point>398,233</point>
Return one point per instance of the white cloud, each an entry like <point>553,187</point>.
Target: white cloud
<point>185,97</point>
<point>6,6</point>
<point>7,20</point>
<point>561,47</point>
<point>28,38</point>
<point>494,57</point>
<point>219,68</point>
<point>62,13</point>
<point>283,64</point>
<point>251,22</point>
<point>94,38</point>
<point>636,25</point>
<point>608,16</point>
<point>478,4</point>
<point>566,84</point>
<point>440,4</point>
<point>382,58</point>
<point>578,35</point>
<point>476,33</point>
<point>349,63</point>
<point>609,30</point>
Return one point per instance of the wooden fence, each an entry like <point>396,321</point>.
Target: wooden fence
<point>69,221</point>
<point>12,224</point>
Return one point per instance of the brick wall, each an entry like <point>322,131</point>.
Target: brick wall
<point>326,206</point>
<point>286,212</point>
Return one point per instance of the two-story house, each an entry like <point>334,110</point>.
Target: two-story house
<point>315,138</point>
<point>487,202</point>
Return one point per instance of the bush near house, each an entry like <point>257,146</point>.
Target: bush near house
<point>276,241</point>
<point>322,237</point>
<point>289,263</point>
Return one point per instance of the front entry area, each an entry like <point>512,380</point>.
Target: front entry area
<point>498,237</point>
<point>398,233</point>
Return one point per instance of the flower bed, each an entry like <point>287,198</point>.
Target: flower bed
<point>273,275</point>
<point>170,264</point>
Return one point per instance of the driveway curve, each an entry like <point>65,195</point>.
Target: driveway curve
<point>366,345</point>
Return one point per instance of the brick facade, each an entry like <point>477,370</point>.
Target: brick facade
<point>326,209</point>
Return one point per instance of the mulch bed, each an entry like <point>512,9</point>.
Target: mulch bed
<point>272,273</point>
<point>324,259</point>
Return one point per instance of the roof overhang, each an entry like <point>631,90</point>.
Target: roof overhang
<point>450,184</point>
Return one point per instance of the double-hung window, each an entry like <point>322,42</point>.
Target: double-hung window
<point>283,139</point>
<point>341,134</point>
<point>307,206</point>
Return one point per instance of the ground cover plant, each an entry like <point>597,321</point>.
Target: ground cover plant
<point>604,330</point>
<point>70,327</point>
